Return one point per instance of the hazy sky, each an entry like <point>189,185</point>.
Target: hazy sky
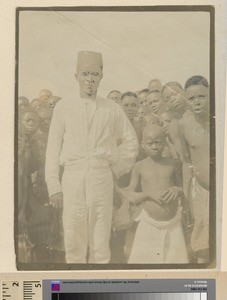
<point>136,47</point>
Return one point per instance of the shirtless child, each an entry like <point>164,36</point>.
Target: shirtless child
<point>159,237</point>
<point>195,139</point>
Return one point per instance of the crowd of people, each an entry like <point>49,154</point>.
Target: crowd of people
<point>37,222</point>
<point>161,207</point>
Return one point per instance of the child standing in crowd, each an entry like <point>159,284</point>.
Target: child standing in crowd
<point>36,103</point>
<point>40,222</point>
<point>28,125</point>
<point>23,102</point>
<point>154,102</point>
<point>42,133</point>
<point>174,96</point>
<point>52,102</point>
<point>155,85</point>
<point>45,95</point>
<point>195,139</point>
<point>146,104</point>
<point>142,95</point>
<point>175,101</point>
<point>130,105</point>
<point>159,237</point>
<point>165,118</point>
<point>140,114</point>
<point>115,96</point>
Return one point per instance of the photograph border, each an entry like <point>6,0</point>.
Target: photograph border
<point>212,216</point>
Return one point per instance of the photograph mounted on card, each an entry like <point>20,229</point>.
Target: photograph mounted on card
<point>115,138</point>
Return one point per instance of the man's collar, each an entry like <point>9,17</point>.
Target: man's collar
<point>88,100</point>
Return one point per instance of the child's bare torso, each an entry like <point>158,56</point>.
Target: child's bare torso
<point>158,177</point>
<point>198,139</point>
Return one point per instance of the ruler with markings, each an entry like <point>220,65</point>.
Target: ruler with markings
<point>21,290</point>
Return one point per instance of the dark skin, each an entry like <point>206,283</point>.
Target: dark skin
<point>159,179</point>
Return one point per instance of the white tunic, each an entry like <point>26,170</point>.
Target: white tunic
<point>83,137</point>
<point>73,139</point>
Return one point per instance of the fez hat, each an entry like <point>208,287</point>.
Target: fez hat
<point>89,58</point>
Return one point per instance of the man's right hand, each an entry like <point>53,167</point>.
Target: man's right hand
<point>56,200</point>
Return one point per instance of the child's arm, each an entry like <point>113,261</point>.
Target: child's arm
<point>137,197</point>
<point>134,197</point>
<point>135,177</point>
<point>187,173</point>
<point>178,175</point>
<point>174,192</point>
<point>174,136</point>
<point>129,192</point>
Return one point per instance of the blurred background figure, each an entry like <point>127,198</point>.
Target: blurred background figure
<point>174,96</point>
<point>45,95</point>
<point>155,85</point>
<point>23,102</point>
<point>36,103</point>
<point>130,105</point>
<point>43,130</point>
<point>154,102</point>
<point>115,95</point>
<point>140,114</point>
<point>52,101</point>
<point>165,118</point>
<point>28,125</point>
<point>142,95</point>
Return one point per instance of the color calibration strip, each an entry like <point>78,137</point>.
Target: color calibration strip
<point>130,296</point>
<point>116,289</point>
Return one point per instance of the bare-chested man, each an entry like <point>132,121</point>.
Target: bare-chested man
<point>195,139</point>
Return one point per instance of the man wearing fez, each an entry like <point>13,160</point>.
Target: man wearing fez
<point>83,138</point>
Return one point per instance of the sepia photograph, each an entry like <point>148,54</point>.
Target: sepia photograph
<point>115,138</point>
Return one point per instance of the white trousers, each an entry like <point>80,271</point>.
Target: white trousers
<point>87,214</point>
